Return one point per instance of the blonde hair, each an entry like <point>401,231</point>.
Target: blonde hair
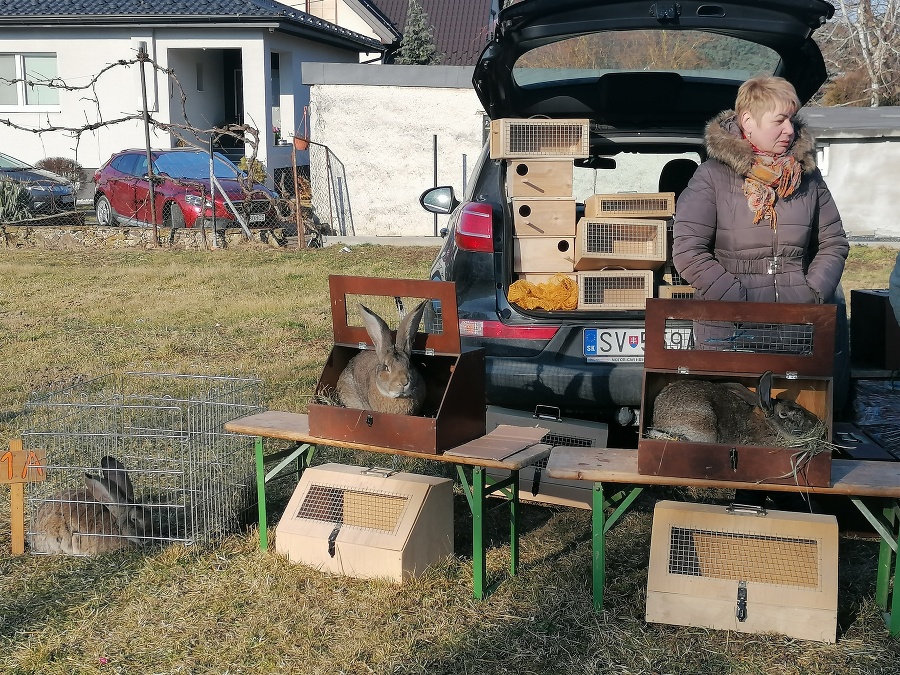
<point>763,94</point>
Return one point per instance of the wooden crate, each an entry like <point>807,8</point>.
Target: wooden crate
<point>534,483</point>
<point>630,205</point>
<point>540,178</point>
<point>453,412</point>
<point>544,217</point>
<point>795,342</point>
<point>543,254</point>
<point>715,567</point>
<point>676,292</point>
<point>626,242</point>
<point>614,289</point>
<point>367,523</point>
<point>874,333</point>
<point>524,138</point>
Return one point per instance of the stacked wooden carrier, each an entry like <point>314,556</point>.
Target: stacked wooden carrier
<point>612,251</point>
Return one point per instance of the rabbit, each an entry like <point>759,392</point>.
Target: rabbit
<point>728,412</point>
<point>99,517</point>
<point>385,380</point>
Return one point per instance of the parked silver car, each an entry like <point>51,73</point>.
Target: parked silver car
<point>48,192</point>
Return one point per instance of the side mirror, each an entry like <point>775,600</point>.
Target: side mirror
<point>440,200</point>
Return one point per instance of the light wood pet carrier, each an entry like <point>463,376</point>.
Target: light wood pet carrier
<point>614,289</point>
<point>523,138</point>
<point>539,178</point>
<point>746,570</point>
<point>367,523</point>
<point>631,205</point>
<point>632,243</point>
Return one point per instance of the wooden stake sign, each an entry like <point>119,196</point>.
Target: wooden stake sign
<point>18,467</point>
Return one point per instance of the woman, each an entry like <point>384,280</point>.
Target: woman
<point>757,221</point>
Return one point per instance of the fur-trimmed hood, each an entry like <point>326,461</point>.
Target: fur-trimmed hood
<point>725,143</point>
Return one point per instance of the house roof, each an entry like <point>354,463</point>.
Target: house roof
<point>22,13</point>
<point>461,27</point>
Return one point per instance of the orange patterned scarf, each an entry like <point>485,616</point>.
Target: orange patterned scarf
<point>769,177</point>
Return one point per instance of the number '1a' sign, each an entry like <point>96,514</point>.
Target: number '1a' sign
<point>22,466</point>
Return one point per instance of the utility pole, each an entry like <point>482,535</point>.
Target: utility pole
<point>143,57</point>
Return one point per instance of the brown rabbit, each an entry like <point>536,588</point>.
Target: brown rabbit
<point>385,380</point>
<point>728,412</point>
<point>101,516</point>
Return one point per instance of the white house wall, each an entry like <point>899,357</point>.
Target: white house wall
<point>383,136</point>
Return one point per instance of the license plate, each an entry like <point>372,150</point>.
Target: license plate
<point>626,345</point>
<point>257,217</point>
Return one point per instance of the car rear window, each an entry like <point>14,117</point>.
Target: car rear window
<point>690,53</point>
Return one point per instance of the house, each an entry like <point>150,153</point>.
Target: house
<point>462,28</point>
<point>425,127</point>
<point>235,61</point>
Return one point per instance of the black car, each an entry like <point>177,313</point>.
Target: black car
<point>48,192</point>
<point>648,77</point>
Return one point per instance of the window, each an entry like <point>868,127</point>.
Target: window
<point>25,78</point>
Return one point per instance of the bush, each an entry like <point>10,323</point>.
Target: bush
<point>14,202</point>
<point>67,168</point>
<point>257,171</point>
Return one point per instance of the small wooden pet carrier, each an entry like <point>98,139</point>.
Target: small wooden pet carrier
<point>628,242</point>
<point>453,412</point>
<point>630,205</point>
<point>534,483</point>
<point>677,292</point>
<point>543,254</point>
<point>544,217</point>
<point>746,570</point>
<point>524,138</point>
<point>734,343</point>
<point>540,178</point>
<point>614,289</point>
<point>367,523</point>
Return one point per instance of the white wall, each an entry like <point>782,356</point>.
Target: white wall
<point>383,135</point>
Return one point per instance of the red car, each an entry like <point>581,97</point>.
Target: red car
<point>182,191</point>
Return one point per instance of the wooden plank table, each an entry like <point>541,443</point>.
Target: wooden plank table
<point>295,427</point>
<point>873,487</point>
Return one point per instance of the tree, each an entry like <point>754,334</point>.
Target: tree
<point>417,46</point>
<point>862,50</point>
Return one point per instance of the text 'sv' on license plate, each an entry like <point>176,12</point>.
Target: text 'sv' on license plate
<point>624,345</point>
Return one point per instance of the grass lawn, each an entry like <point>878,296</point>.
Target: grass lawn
<point>229,608</point>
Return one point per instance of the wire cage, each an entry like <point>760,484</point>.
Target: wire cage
<point>192,481</point>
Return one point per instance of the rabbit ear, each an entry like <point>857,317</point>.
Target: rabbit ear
<point>100,490</point>
<point>377,329</point>
<point>409,326</point>
<point>764,391</point>
<point>742,392</point>
<point>113,472</point>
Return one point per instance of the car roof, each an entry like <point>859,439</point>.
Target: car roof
<point>533,66</point>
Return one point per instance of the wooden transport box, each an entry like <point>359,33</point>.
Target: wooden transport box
<point>369,523</point>
<point>540,178</point>
<point>525,138</point>
<point>874,334</point>
<point>716,567</point>
<point>614,289</point>
<point>743,341</point>
<point>453,412</point>
<point>544,217</point>
<point>631,243</point>
<point>543,254</point>
<point>676,292</point>
<point>630,205</point>
<point>534,483</point>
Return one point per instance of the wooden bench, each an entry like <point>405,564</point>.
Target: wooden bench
<point>476,456</point>
<point>873,487</point>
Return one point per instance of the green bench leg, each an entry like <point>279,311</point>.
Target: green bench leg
<point>619,502</point>
<point>302,453</point>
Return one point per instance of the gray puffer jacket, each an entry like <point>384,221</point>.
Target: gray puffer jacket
<point>725,256</point>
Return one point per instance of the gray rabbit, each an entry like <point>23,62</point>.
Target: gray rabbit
<point>98,517</point>
<point>385,380</point>
<point>727,412</point>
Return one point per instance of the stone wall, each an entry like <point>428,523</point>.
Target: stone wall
<point>95,237</point>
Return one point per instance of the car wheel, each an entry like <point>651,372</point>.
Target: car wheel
<point>105,217</point>
<point>174,217</point>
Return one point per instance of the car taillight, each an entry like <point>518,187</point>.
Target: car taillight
<point>474,230</point>
<point>497,329</point>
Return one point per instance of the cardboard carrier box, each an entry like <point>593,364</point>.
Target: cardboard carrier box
<point>454,408</point>
<point>698,351</point>
<point>746,570</point>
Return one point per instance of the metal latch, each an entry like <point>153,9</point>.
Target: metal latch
<point>752,509</point>
<point>332,538</point>
<point>429,351</point>
<point>547,412</point>
<point>362,346</point>
<point>684,370</point>
<point>790,375</point>
<point>382,471</point>
<point>741,610</point>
